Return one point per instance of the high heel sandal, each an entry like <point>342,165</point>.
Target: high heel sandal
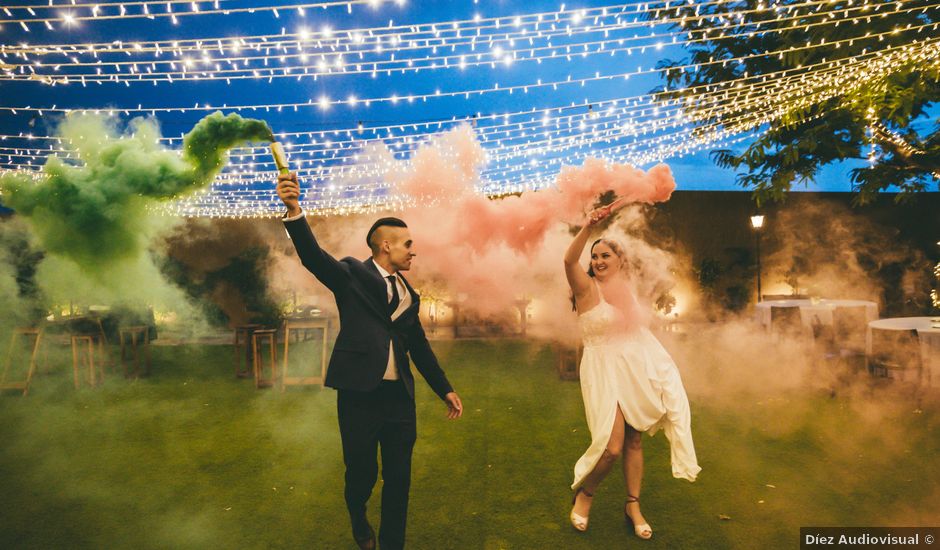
<point>578,522</point>
<point>643,530</point>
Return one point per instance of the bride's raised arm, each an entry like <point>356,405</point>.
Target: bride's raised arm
<point>578,280</point>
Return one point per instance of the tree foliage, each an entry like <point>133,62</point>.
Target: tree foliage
<point>889,113</point>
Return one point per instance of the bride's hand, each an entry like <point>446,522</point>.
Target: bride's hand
<point>597,215</point>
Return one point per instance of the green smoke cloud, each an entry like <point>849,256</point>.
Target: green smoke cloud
<point>23,300</point>
<point>205,146</point>
<point>94,211</point>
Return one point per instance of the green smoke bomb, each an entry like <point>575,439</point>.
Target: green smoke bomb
<point>94,211</point>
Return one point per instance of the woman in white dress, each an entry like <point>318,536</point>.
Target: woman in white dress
<point>629,382</point>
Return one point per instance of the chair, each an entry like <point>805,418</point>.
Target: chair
<point>242,345</point>
<point>828,358</point>
<point>849,324</point>
<point>123,316</point>
<point>88,339</point>
<point>259,338</point>
<point>569,362</point>
<point>83,357</point>
<point>771,297</point>
<point>133,335</point>
<point>825,340</point>
<point>786,321</point>
<point>19,334</point>
<point>298,327</point>
<point>895,354</point>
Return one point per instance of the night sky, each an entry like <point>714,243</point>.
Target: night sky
<point>693,171</point>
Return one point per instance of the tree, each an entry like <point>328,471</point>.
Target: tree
<point>827,81</point>
<point>934,294</point>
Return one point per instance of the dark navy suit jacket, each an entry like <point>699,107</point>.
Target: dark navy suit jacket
<point>360,356</point>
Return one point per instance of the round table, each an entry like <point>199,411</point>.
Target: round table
<point>923,325</point>
<point>812,311</point>
<point>928,332</point>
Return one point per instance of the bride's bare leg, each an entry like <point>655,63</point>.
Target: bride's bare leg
<point>582,503</point>
<point>633,471</point>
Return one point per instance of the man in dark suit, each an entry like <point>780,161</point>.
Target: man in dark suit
<point>379,330</point>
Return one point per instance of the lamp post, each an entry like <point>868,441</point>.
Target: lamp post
<point>757,222</point>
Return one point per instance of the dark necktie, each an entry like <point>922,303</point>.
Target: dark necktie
<point>393,305</point>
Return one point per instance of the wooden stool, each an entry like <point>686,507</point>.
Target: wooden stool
<point>296,327</point>
<point>83,355</point>
<point>91,327</point>
<point>259,338</point>
<point>133,335</point>
<point>243,338</point>
<point>22,332</point>
<point>569,362</point>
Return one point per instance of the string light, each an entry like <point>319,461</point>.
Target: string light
<point>293,52</point>
<point>152,9</point>
<point>661,107</point>
<point>877,130</point>
<point>325,102</point>
<point>658,112</point>
<point>934,295</point>
<point>736,85</point>
<point>524,149</point>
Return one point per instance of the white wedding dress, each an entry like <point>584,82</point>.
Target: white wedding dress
<point>629,368</point>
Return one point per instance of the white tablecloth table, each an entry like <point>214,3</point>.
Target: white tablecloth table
<point>928,333</point>
<point>812,310</point>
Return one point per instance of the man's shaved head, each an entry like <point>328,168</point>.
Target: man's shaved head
<point>391,244</point>
<point>377,233</point>
<point>385,233</point>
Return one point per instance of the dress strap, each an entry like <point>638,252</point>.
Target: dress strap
<point>600,295</point>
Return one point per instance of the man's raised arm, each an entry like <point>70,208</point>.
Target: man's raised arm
<point>324,267</point>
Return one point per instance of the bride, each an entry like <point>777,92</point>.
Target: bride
<point>629,382</point>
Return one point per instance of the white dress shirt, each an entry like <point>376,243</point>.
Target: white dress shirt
<point>287,218</point>
<point>404,300</point>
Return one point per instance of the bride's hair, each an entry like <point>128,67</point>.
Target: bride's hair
<point>616,247</point>
<point>618,250</point>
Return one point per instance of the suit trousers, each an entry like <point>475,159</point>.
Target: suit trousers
<point>383,417</point>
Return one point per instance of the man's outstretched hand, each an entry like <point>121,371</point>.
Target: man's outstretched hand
<point>454,406</point>
<point>289,191</point>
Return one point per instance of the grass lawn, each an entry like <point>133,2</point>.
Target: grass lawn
<point>192,457</point>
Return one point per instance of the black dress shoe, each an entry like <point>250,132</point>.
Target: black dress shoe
<point>367,540</point>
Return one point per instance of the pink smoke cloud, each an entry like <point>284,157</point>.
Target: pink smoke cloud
<point>496,251</point>
<point>448,169</point>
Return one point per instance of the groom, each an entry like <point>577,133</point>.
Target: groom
<point>379,330</point>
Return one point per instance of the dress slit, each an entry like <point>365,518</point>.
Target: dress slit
<point>631,370</point>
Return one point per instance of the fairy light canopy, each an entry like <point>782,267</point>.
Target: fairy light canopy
<point>542,84</point>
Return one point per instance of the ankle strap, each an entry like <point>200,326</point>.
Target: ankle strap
<point>583,490</point>
<point>631,498</point>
